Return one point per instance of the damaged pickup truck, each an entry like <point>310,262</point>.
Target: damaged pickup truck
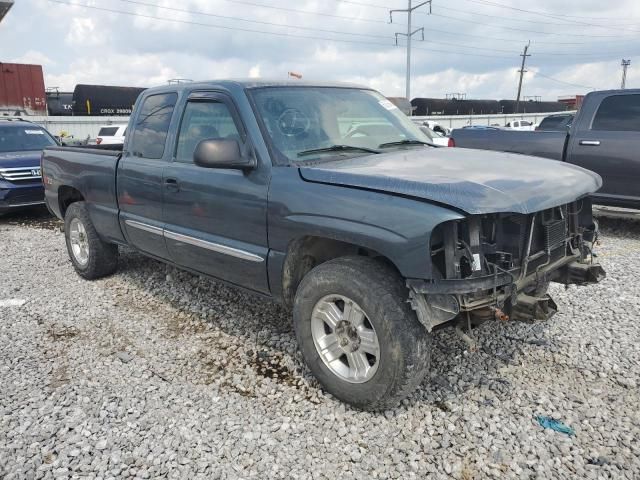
<point>328,199</point>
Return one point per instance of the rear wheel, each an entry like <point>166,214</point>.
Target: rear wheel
<point>91,257</point>
<point>358,334</point>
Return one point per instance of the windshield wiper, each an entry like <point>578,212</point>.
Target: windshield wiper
<point>403,142</point>
<point>337,148</point>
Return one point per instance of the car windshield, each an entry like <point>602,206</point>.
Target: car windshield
<point>311,123</point>
<point>29,137</point>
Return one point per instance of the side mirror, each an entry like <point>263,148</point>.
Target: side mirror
<point>221,153</point>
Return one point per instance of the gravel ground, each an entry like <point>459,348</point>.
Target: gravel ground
<point>157,373</point>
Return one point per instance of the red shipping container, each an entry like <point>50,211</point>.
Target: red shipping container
<point>22,89</point>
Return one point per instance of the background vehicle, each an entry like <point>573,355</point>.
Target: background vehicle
<point>326,198</point>
<point>604,137</point>
<point>522,125</point>
<point>111,135</point>
<point>436,127</point>
<point>435,137</point>
<point>560,122</point>
<point>21,145</point>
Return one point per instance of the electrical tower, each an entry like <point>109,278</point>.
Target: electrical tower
<point>410,33</point>
<point>625,64</point>
<point>522,71</point>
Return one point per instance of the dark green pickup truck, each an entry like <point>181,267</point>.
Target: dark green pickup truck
<point>328,199</point>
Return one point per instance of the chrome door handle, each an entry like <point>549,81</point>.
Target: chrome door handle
<point>591,143</point>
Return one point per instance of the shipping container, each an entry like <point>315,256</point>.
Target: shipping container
<point>22,89</point>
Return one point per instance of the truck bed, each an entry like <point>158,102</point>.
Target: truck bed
<point>92,173</point>
<point>545,144</point>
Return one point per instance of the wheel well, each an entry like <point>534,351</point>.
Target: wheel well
<point>308,252</point>
<point>67,196</point>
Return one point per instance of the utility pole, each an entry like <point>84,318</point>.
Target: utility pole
<point>625,64</point>
<point>522,71</point>
<point>410,33</point>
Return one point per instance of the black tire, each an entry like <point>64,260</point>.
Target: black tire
<point>102,256</point>
<point>405,344</point>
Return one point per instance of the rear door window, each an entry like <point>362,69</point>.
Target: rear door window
<point>152,126</point>
<point>108,131</point>
<point>618,113</point>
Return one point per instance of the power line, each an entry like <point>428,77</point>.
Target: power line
<point>526,20</point>
<point>537,42</point>
<point>563,34</point>
<point>410,33</point>
<point>260,22</point>
<point>363,4</point>
<point>210,25</point>
<point>625,64</point>
<point>522,71</point>
<point>339,32</point>
<point>543,14</point>
<point>281,34</point>
<point>305,12</point>
<point>538,74</point>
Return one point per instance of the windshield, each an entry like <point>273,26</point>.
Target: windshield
<point>303,121</point>
<point>29,137</point>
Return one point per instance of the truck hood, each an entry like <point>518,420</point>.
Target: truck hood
<point>475,181</point>
<point>20,159</point>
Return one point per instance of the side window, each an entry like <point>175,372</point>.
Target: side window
<point>152,125</point>
<point>618,113</point>
<point>203,121</point>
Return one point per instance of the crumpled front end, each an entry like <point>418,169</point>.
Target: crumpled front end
<point>498,265</point>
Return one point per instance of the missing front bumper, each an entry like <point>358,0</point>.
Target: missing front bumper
<point>441,301</point>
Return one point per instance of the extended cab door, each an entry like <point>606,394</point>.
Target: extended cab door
<point>215,218</point>
<point>607,141</point>
<point>139,179</point>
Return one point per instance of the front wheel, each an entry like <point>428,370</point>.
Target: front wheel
<point>358,334</point>
<point>91,257</point>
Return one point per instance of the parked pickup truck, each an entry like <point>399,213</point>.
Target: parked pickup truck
<point>21,145</point>
<point>604,138</point>
<point>328,199</point>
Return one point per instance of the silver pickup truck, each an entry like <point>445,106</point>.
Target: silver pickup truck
<point>604,138</point>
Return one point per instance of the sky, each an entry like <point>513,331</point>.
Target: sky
<point>470,46</point>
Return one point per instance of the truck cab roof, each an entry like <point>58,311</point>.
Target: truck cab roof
<point>249,83</point>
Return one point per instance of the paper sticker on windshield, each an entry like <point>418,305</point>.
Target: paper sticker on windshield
<point>387,104</point>
<point>34,132</point>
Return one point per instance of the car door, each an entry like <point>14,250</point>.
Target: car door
<point>216,218</point>
<point>139,180</point>
<point>608,142</point>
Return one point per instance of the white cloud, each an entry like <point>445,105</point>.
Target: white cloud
<point>34,57</point>
<point>83,33</point>
<point>254,72</point>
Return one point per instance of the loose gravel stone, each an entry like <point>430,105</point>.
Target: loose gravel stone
<point>154,372</point>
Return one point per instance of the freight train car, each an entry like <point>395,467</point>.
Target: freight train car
<point>22,90</point>
<point>440,106</point>
<point>104,100</point>
<point>59,103</point>
<point>509,106</point>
